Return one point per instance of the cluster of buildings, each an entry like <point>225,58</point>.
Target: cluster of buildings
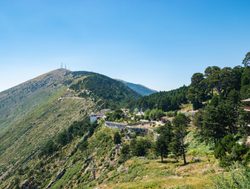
<point>100,115</point>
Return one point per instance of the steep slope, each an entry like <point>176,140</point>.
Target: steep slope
<point>98,165</point>
<point>39,109</point>
<point>140,89</point>
<point>22,98</point>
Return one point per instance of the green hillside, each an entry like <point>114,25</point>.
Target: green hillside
<point>193,137</point>
<point>36,111</point>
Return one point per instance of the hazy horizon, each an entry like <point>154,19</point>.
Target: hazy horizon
<point>158,44</point>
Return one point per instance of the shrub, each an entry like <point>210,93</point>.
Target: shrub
<point>117,138</point>
<point>49,148</point>
<point>140,147</point>
<point>228,151</point>
<point>125,153</point>
<point>83,145</point>
<point>237,178</point>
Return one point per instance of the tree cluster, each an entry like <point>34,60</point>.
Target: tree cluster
<point>77,128</point>
<point>170,140</point>
<point>222,120</point>
<point>154,114</point>
<point>217,81</point>
<point>166,101</point>
<point>115,115</point>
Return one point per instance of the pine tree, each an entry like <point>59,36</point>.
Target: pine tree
<point>117,138</point>
<point>178,145</point>
<point>246,60</point>
<point>163,141</point>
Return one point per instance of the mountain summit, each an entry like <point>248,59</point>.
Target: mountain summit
<point>35,111</point>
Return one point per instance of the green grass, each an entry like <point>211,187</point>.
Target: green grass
<point>29,133</point>
<point>144,173</point>
<point>136,173</point>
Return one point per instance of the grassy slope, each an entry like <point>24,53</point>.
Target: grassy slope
<point>151,173</point>
<point>135,173</point>
<point>28,134</point>
<point>138,172</point>
<point>20,100</point>
<point>32,113</point>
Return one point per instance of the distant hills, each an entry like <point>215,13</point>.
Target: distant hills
<point>140,89</point>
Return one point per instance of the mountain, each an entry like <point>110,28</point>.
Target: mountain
<point>48,141</point>
<point>140,89</point>
<point>36,111</point>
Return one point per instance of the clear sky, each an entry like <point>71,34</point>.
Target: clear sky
<point>158,43</point>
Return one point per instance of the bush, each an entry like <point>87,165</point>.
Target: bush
<point>49,148</point>
<point>64,138</point>
<point>140,147</point>
<point>154,114</point>
<point>228,151</point>
<point>171,113</point>
<point>116,115</point>
<point>117,138</point>
<point>83,145</point>
<point>125,153</point>
<point>238,178</point>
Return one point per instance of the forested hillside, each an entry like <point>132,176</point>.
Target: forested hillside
<point>167,101</point>
<point>112,93</point>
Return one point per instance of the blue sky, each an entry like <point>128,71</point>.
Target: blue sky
<point>158,43</point>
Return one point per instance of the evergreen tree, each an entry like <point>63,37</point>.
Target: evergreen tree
<point>220,117</point>
<point>140,146</point>
<point>117,138</point>
<point>178,145</point>
<point>212,74</point>
<point>197,90</point>
<point>163,140</point>
<point>246,61</point>
<point>245,83</point>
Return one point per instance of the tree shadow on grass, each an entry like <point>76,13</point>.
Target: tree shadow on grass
<point>167,161</point>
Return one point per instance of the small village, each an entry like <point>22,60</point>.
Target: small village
<point>131,122</point>
<point>137,122</point>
